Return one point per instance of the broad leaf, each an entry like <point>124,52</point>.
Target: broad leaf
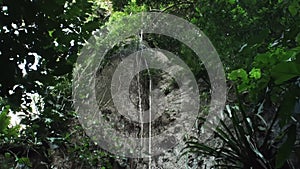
<point>287,106</point>
<point>286,148</point>
<point>293,8</point>
<point>285,71</point>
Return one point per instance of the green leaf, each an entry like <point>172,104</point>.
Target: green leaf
<point>286,148</point>
<point>7,155</point>
<point>242,87</point>
<point>298,39</point>
<point>240,73</point>
<point>288,55</point>
<point>240,76</point>
<point>293,8</point>
<point>255,73</point>
<point>4,120</point>
<point>285,71</point>
<point>286,107</point>
<point>264,58</point>
<point>231,1</point>
<point>25,161</point>
<point>50,32</point>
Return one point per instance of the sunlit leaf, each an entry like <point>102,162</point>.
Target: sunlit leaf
<point>255,73</point>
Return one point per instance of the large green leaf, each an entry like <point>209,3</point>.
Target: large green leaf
<point>285,71</point>
<point>293,8</point>
<point>286,148</point>
<point>287,105</point>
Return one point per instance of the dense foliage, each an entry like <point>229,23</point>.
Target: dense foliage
<point>258,42</point>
